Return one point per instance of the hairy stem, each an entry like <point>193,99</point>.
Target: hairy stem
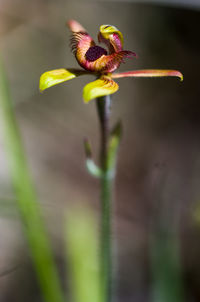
<point>103,109</point>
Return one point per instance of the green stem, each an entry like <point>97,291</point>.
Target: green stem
<point>106,242</point>
<point>103,109</point>
<point>28,206</point>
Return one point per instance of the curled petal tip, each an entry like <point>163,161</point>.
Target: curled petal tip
<point>181,76</point>
<point>112,37</point>
<point>75,26</point>
<point>107,30</point>
<point>174,73</point>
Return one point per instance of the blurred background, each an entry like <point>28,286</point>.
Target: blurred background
<point>157,199</point>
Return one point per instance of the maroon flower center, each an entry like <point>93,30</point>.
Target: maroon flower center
<point>94,53</point>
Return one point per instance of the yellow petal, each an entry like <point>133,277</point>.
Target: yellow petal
<point>103,86</point>
<point>107,30</point>
<point>57,76</point>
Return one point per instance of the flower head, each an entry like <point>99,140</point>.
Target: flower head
<point>95,58</point>
<point>99,62</point>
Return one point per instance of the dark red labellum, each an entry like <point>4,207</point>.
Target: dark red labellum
<point>94,53</point>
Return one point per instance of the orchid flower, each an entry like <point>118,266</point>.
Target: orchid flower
<point>98,61</point>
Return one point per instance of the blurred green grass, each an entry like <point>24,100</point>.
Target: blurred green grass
<point>82,255</point>
<point>26,198</point>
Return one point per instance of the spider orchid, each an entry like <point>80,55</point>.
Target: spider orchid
<point>99,62</point>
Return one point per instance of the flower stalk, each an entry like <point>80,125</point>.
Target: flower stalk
<point>103,110</point>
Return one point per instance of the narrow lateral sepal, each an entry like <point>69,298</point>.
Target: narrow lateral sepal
<point>149,73</point>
